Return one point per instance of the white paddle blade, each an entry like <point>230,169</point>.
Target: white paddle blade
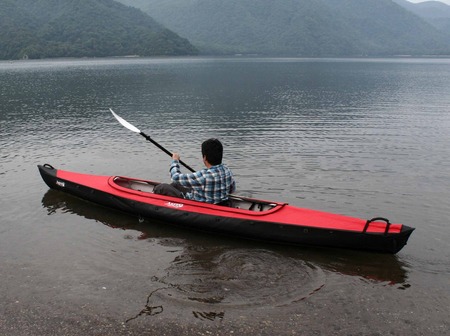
<point>125,123</point>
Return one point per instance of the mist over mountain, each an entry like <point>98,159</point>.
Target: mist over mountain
<point>79,28</point>
<point>299,27</point>
<point>434,12</point>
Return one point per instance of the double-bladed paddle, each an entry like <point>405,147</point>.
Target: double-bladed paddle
<point>136,130</point>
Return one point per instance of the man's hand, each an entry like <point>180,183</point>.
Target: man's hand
<point>176,156</point>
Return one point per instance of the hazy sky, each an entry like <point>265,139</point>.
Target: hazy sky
<point>444,1</point>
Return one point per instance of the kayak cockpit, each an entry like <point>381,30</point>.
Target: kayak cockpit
<point>133,184</point>
<point>237,202</point>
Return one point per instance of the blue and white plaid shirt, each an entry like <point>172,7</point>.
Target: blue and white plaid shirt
<point>211,185</point>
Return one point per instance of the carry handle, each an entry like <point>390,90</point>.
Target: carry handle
<point>375,219</point>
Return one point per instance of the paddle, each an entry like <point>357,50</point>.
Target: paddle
<point>136,130</point>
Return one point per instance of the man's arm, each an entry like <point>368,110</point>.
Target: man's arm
<point>192,180</point>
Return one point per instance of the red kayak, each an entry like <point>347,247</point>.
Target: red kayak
<point>245,217</point>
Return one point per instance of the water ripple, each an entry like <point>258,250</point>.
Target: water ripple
<point>240,278</point>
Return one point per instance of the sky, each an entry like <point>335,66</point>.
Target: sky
<point>444,1</point>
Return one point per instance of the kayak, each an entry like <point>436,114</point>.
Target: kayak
<point>244,217</point>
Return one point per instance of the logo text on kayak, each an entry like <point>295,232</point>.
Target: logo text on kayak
<point>174,205</point>
<point>60,183</point>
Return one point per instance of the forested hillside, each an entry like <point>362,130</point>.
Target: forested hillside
<point>79,28</point>
<point>299,27</point>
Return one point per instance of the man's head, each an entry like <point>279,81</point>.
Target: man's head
<point>212,151</point>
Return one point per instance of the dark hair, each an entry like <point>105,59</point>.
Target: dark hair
<point>213,150</point>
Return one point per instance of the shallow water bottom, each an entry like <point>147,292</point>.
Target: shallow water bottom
<point>338,306</point>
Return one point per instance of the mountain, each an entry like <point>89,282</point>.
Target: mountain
<point>434,12</point>
<point>298,27</point>
<point>389,29</point>
<point>78,28</point>
<point>426,9</point>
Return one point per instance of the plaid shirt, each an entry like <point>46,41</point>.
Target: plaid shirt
<point>211,185</point>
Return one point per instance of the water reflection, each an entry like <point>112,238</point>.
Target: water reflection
<point>233,272</point>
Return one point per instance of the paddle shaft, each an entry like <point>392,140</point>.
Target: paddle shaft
<point>133,128</point>
<point>164,150</point>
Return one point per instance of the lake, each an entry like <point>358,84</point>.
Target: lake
<point>360,137</point>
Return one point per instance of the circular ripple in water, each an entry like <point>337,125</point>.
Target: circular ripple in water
<point>242,277</point>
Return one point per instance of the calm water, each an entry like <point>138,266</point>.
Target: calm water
<point>364,138</point>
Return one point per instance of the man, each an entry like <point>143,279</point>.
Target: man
<point>211,185</point>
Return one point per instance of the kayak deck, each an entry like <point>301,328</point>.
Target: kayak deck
<point>248,208</point>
